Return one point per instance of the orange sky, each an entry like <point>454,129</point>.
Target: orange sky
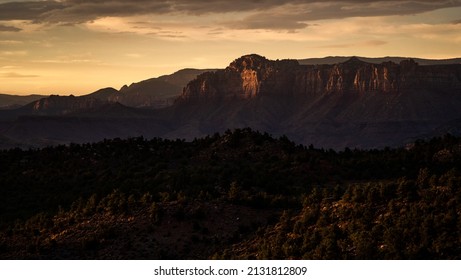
<point>78,46</point>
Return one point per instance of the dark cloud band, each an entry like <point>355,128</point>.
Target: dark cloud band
<point>264,14</point>
<point>32,10</point>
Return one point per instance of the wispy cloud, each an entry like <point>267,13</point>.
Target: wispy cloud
<point>14,75</point>
<point>269,21</point>
<point>374,43</point>
<point>14,53</point>
<point>134,55</point>
<point>67,61</point>
<point>10,42</point>
<point>7,28</point>
<point>9,67</point>
<point>370,43</point>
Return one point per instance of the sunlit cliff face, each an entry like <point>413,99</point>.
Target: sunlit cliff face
<point>76,47</point>
<point>253,76</point>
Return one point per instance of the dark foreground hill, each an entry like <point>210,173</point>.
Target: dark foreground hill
<point>241,195</point>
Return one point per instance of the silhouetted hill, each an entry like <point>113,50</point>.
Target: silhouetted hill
<point>377,60</point>
<point>14,101</point>
<point>105,94</point>
<point>152,93</point>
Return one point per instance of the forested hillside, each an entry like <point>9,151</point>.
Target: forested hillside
<point>242,194</point>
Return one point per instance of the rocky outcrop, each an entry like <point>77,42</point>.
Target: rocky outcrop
<point>62,105</point>
<point>247,77</point>
<point>253,76</point>
<point>348,104</point>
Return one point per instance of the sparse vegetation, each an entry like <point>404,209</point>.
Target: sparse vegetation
<point>242,194</point>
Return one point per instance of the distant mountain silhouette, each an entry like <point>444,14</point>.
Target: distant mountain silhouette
<point>377,60</point>
<point>152,93</point>
<point>15,101</point>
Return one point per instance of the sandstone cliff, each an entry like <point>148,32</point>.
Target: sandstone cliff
<point>252,76</point>
<point>349,104</point>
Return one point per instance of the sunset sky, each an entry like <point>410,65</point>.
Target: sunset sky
<point>78,46</point>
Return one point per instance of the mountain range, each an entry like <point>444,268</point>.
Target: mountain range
<point>152,93</point>
<point>377,60</point>
<point>8,101</point>
<point>333,102</point>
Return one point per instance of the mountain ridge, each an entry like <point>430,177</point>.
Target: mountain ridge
<point>378,60</point>
<point>349,104</point>
<point>252,74</point>
<point>9,101</point>
<point>151,93</point>
<point>181,77</point>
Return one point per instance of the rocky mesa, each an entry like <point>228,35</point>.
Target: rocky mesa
<point>253,75</point>
<point>349,104</point>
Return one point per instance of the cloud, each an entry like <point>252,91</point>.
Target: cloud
<point>15,75</point>
<point>29,10</point>
<point>9,67</point>
<point>134,55</point>
<point>370,43</point>
<point>14,53</point>
<point>262,14</point>
<point>6,28</point>
<point>374,43</point>
<point>67,61</point>
<point>267,20</point>
<point>10,42</point>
